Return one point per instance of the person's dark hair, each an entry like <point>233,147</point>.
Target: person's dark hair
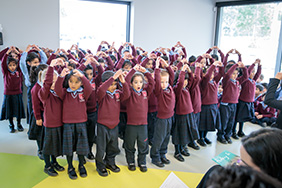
<point>205,69</point>
<point>265,85</point>
<point>261,77</point>
<point>150,70</point>
<point>31,56</point>
<point>138,74</point>
<point>260,87</point>
<point>34,72</point>
<point>107,74</point>
<point>73,65</point>
<point>164,58</point>
<point>231,62</point>
<point>215,57</point>
<point>192,59</point>
<point>114,59</point>
<point>176,76</point>
<point>11,59</point>
<point>265,148</point>
<point>88,67</point>
<point>62,56</point>
<point>240,177</point>
<point>126,62</point>
<point>66,81</point>
<point>228,66</point>
<point>101,60</point>
<point>175,62</point>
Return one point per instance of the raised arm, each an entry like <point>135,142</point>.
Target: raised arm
<point>258,73</point>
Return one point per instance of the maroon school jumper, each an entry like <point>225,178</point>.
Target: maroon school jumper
<point>95,83</point>
<point>166,97</point>
<point>37,104</point>
<point>183,99</point>
<point>137,103</point>
<point>268,112</point>
<point>209,89</point>
<point>52,104</point>
<point>109,104</point>
<point>195,92</point>
<point>74,105</point>
<point>249,86</point>
<point>231,89</point>
<point>12,81</point>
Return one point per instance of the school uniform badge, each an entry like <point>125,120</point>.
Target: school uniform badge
<point>93,86</point>
<point>117,96</point>
<point>81,97</point>
<point>144,93</point>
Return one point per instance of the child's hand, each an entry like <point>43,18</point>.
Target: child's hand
<point>121,77</point>
<point>256,113</point>
<point>163,62</point>
<point>64,52</point>
<point>259,116</point>
<point>28,48</point>
<point>152,56</point>
<point>198,65</point>
<point>185,67</point>
<point>77,73</point>
<point>240,64</point>
<point>73,61</point>
<point>35,47</point>
<point>117,74</point>
<point>218,63</point>
<point>230,51</point>
<point>136,67</point>
<point>39,122</point>
<point>57,52</point>
<point>64,72</point>
<point>257,61</point>
<point>54,62</point>
<point>158,62</point>
<point>142,69</point>
<point>10,50</point>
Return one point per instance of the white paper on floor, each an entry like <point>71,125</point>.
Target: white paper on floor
<point>172,181</point>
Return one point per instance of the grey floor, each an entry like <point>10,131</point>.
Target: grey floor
<point>198,162</point>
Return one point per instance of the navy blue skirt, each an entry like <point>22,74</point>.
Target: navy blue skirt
<point>184,130</point>
<point>245,111</point>
<point>34,132</point>
<point>52,144</point>
<point>12,107</point>
<point>208,117</point>
<point>75,139</point>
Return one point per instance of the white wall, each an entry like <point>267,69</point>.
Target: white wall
<point>154,23</point>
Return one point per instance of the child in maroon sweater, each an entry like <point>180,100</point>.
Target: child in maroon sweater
<point>52,144</point>
<point>185,129</point>
<point>137,110</point>
<point>166,102</point>
<point>12,104</point>
<point>74,117</point>
<point>229,101</point>
<point>95,81</point>
<point>245,108</point>
<point>264,114</point>
<point>209,109</point>
<point>109,99</point>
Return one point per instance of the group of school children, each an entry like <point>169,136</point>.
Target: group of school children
<point>76,98</point>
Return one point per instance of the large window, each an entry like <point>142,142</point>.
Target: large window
<point>87,23</point>
<point>254,31</point>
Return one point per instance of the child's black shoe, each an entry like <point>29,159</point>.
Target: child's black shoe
<point>179,157</point>
<point>102,172</point>
<point>12,128</point>
<point>20,127</point>
<point>159,164</point>
<point>113,168</point>
<point>207,141</point>
<point>194,145</point>
<point>185,152</point>
<point>131,167</point>
<point>202,142</point>
<point>90,156</point>
<point>72,174</point>
<point>165,160</point>
<point>143,168</point>
<point>40,155</point>
<point>241,134</point>
<point>50,171</point>
<point>57,167</point>
<point>82,171</point>
<point>235,136</point>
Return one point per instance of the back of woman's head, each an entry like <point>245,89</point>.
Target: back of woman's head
<point>240,177</point>
<point>34,72</point>
<point>265,148</point>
